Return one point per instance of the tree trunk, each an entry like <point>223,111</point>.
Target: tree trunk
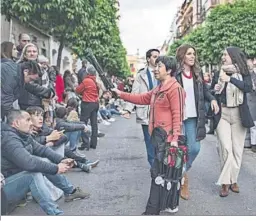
<point>60,53</point>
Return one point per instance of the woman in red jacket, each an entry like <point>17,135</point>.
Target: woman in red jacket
<point>90,102</point>
<point>166,111</point>
<point>59,85</point>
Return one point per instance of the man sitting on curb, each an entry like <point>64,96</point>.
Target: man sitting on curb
<point>23,164</point>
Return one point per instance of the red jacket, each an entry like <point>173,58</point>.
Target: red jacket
<point>166,107</point>
<point>89,89</point>
<point>59,87</point>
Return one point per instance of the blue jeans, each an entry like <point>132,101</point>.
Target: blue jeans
<point>149,146</point>
<point>74,137</point>
<point>114,111</point>
<point>18,185</point>
<point>106,114</point>
<point>193,145</point>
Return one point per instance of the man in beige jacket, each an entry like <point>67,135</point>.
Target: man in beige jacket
<point>144,82</point>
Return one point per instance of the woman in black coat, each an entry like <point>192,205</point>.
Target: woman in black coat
<point>191,79</point>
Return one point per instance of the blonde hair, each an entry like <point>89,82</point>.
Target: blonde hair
<point>24,51</point>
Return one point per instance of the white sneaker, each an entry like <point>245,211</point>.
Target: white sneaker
<point>169,210</point>
<point>112,119</point>
<point>106,123</point>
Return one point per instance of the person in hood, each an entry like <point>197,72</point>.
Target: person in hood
<point>166,104</point>
<point>90,102</point>
<point>14,79</point>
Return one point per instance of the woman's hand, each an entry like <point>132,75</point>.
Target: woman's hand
<point>116,91</point>
<point>174,144</point>
<point>224,77</point>
<point>217,87</point>
<point>215,106</point>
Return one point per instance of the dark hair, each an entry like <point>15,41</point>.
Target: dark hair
<point>84,63</point>
<point>6,49</point>
<point>148,53</point>
<point>35,109</point>
<point>32,67</point>
<point>61,112</point>
<point>180,56</point>
<point>56,69</point>
<point>169,62</point>
<point>66,73</point>
<point>238,58</point>
<point>72,102</point>
<point>14,115</point>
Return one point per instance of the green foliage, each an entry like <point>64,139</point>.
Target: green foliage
<point>78,24</point>
<point>103,37</point>
<point>227,25</point>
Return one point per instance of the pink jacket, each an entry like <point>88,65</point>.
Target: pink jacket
<point>166,107</point>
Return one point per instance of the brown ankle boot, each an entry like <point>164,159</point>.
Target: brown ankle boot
<point>224,191</point>
<point>234,187</point>
<point>184,193</point>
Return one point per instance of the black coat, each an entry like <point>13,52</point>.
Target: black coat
<point>19,151</point>
<point>201,94</point>
<point>62,124</point>
<point>28,99</point>
<point>45,131</point>
<point>12,86</point>
<point>246,87</point>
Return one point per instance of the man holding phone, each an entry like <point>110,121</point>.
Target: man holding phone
<point>22,156</point>
<point>56,140</point>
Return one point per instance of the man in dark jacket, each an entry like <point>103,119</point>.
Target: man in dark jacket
<point>16,77</point>
<point>82,72</point>
<point>55,139</point>
<point>23,156</point>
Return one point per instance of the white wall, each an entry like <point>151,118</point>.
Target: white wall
<point>66,58</point>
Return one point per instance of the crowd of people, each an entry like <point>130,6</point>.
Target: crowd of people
<point>174,95</point>
<point>49,118</point>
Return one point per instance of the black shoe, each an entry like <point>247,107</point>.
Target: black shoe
<point>210,132</point>
<point>253,148</point>
<point>101,134</point>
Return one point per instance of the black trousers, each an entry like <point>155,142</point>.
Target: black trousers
<point>153,205</point>
<point>89,110</point>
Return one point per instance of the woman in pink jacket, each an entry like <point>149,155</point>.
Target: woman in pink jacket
<point>166,111</point>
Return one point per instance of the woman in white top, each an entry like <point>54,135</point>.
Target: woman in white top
<point>191,79</point>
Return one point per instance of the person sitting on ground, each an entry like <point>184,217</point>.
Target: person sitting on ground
<point>25,162</point>
<point>72,116</point>
<point>55,139</point>
<point>73,129</point>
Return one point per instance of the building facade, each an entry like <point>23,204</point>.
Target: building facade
<point>48,45</point>
<point>193,13</point>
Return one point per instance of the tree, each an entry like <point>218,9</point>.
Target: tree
<point>227,25</point>
<point>103,37</point>
<point>231,25</point>
<point>60,18</point>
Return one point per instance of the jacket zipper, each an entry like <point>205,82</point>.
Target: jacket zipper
<point>153,114</point>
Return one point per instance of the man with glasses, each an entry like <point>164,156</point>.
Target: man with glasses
<point>144,82</point>
<point>23,40</point>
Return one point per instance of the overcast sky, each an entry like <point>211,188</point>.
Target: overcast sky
<point>145,24</point>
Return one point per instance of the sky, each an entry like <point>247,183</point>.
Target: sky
<point>145,24</point>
